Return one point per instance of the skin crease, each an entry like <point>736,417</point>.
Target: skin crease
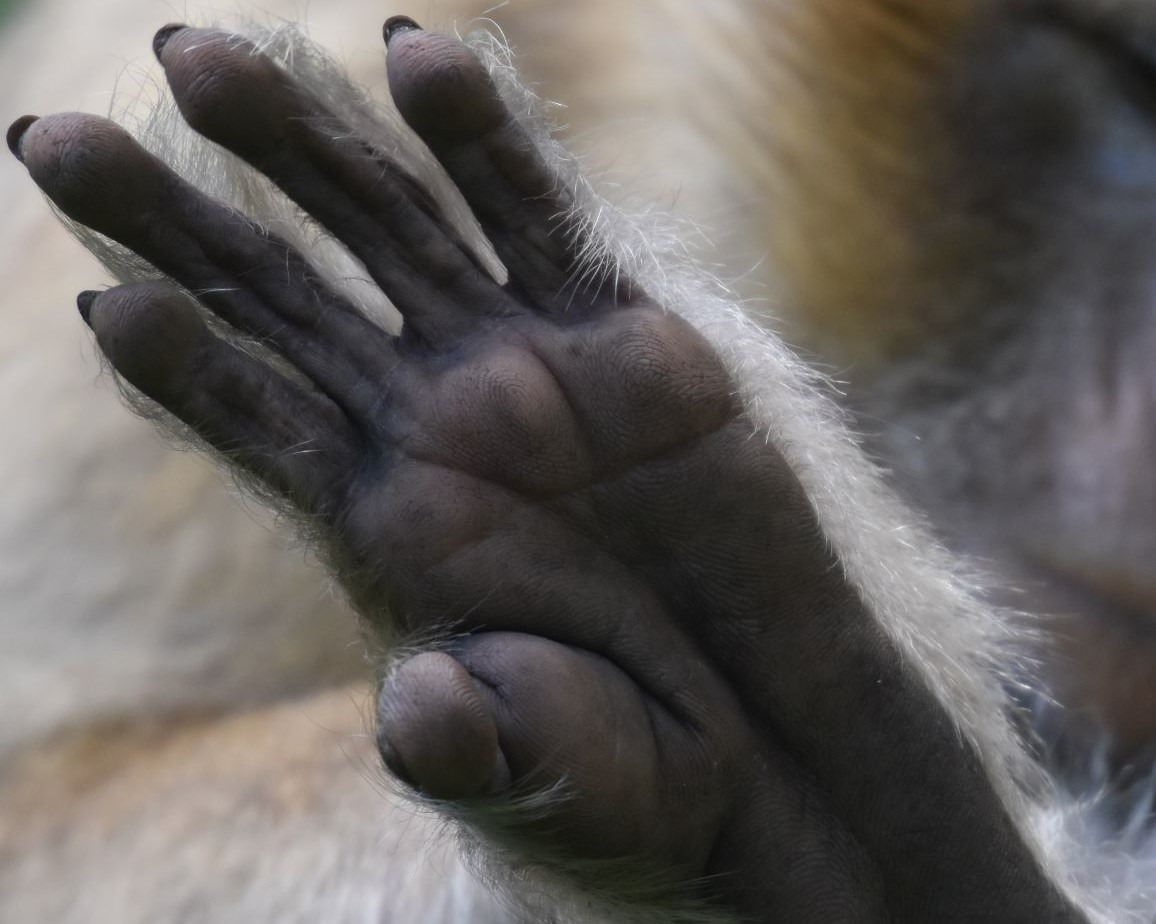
<point>649,576</point>
<point>451,716</point>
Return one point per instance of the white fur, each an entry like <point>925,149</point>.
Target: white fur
<point>927,600</point>
<point>126,569</point>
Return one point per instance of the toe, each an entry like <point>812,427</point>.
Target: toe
<point>239,98</point>
<point>436,733</point>
<point>574,724</point>
<point>446,95</point>
<point>101,177</point>
<point>92,170</point>
<point>293,439</point>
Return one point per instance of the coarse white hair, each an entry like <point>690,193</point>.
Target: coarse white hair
<point>928,601</point>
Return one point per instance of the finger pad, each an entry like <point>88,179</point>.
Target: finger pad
<point>441,88</point>
<point>434,731</point>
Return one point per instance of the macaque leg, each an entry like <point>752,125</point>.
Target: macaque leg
<point>634,604</point>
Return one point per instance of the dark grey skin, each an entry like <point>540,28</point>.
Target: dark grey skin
<point>641,601</point>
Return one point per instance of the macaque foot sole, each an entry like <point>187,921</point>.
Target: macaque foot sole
<point>554,477</point>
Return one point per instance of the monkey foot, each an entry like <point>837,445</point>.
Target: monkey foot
<point>634,604</point>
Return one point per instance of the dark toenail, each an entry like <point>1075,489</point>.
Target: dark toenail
<point>16,134</point>
<point>84,304</point>
<point>163,35</point>
<point>396,25</point>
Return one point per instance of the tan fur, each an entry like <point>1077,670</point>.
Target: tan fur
<point>163,758</point>
<point>146,616</point>
<point>826,110</point>
<point>127,581</point>
<point>270,815</point>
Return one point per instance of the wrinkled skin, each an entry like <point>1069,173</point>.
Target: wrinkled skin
<point>560,480</point>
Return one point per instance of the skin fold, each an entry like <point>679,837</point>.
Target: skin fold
<point>632,598</point>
